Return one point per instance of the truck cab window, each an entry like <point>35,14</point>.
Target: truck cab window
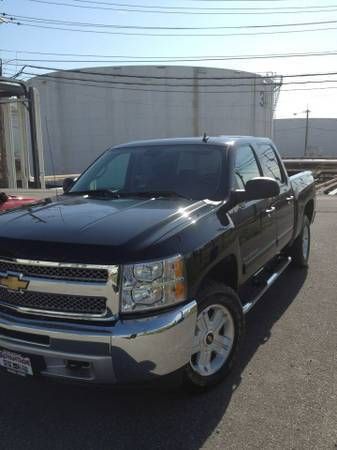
<point>246,166</point>
<point>269,162</point>
<point>192,171</point>
<point>112,174</point>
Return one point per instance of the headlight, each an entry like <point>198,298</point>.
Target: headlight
<point>152,285</point>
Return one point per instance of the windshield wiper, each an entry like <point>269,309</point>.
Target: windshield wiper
<point>96,192</point>
<point>119,194</point>
<point>154,194</point>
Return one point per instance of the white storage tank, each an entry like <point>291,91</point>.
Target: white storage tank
<point>82,118</point>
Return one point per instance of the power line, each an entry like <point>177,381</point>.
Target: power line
<point>284,130</point>
<point>170,77</point>
<point>182,8</point>
<point>168,60</point>
<point>176,28</point>
<point>124,33</point>
<point>225,11</point>
<point>323,129</point>
<point>108,84</point>
<point>139,83</point>
<point>163,58</point>
<point>161,77</point>
<point>98,84</point>
<point>142,83</point>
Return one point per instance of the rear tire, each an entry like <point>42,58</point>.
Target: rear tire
<point>218,336</point>
<point>300,250</point>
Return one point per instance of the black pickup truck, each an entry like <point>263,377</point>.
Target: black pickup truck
<point>149,261</point>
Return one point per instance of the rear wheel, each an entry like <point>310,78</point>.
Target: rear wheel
<point>300,250</point>
<point>218,334</point>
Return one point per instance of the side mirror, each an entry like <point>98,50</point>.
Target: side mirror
<point>257,189</point>
<point>68,184</point>
<point>3,197</point>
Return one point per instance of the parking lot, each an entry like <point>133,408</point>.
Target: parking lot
<point>281,395</point>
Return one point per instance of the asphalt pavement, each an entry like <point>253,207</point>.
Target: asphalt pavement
<point>281,395</point>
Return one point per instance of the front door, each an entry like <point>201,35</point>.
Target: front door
<point>284,203</point>
<point>254,220</point>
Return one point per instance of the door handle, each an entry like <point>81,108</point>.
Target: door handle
<point>270,210</point>
<point>290,198</point>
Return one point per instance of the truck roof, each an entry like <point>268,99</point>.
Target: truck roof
<point>214,140</point>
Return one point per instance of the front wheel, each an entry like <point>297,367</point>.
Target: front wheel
<point>217,338</point>
<point>300,250</point>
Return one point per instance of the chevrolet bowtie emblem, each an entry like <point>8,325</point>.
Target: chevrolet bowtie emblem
<point>13,282</point>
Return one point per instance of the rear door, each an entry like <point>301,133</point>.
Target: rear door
<point>255,225</point>
<point>283,204</point>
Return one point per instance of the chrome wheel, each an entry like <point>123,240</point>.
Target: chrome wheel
<point>305,241</point>
<point>213,340</point>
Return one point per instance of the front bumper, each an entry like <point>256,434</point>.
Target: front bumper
<point>129,351</point>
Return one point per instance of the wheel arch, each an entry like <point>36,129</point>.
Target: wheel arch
<point>224,271</point>
<point>309,210</point>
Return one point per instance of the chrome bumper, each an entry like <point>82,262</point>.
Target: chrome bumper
<point>129,351</point>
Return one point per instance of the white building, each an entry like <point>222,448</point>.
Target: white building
<point>289,137</point>
<point>81,119</point>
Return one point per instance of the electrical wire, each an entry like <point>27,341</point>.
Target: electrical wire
<point>162,58</point>
<point>142,27</point>
<point>74,82</point>
<point>170,77</point>
<point>323,129</point>
<point>142,84</point>
<point>182,8</point>
<point>228,11</point>
<point>124,33</point>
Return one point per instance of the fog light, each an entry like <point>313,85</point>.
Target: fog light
<point>77,365</point>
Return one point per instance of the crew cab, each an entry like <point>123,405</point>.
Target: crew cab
<point>149,261</point>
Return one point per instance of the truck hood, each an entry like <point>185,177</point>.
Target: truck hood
<point>79,229</point>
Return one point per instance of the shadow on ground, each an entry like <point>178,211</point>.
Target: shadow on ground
<point>51,415</point>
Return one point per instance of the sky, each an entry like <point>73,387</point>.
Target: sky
<point>16,40</point>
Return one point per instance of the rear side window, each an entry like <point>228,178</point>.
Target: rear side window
<point>269,162</point>
<point>246,166</point>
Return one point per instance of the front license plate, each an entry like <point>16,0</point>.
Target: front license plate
<point>15,363</point>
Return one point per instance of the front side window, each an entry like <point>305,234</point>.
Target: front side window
<point>269,162</point>
<point>192,171</point>
<point>246,166</point>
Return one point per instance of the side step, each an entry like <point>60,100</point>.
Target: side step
<point>279,269</point>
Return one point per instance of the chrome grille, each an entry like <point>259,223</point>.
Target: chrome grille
<point>56,272</point>
<point>67,290</point>
<point>71,304</point>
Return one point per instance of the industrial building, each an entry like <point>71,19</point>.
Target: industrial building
<point>84,112</point>
<point>21,146</point>
<point>289,137</point>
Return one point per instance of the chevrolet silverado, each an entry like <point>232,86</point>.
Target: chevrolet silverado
<point>148,263</point>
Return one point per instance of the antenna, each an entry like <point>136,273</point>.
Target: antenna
<point>205,137</point>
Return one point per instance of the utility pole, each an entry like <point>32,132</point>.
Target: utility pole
<point>3,153</point>
<point>307,112</point>
<point>3,157</point>
<point>306,136</point>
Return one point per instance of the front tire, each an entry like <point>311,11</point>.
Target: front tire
<point>218,336</point>
<point>300,250</point>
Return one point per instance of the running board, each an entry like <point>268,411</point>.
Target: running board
<point>270,281</point>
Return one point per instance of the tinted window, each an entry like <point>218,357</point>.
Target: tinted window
<point>114,170</point>
<point>269,162</point>
<point>194,171</point>
<point>246,166</point>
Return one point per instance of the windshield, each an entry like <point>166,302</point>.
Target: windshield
<point>191,171</point>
